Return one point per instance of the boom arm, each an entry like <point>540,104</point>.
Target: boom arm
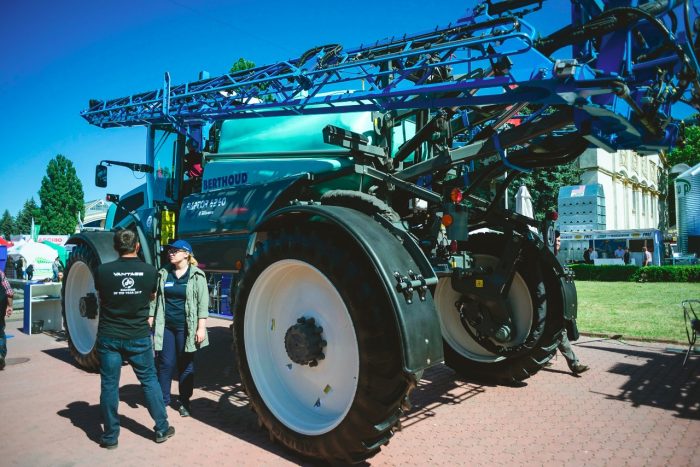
<point>636,67</point>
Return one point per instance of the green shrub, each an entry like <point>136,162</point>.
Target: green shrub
<point>617,273</point>
<point>667,274</point>
<point>608,273</point>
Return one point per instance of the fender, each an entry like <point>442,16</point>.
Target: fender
<point>565,278</point>
<point>101,242</point>
<point>416,318</point>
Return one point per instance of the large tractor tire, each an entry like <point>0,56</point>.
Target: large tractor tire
<point>537,332</point>
<point>317,348</point>
<point>80,317</point>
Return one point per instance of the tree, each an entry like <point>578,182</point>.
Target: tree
<point>543,185</point>
<point>23,221</point>
<point>7,224</point>
<point>61,196</point>
<point>689,151</point>
<point>241,64</point>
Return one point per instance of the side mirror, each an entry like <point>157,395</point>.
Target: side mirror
<point>101,176</point>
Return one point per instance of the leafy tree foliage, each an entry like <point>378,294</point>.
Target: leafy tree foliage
<point>7,224</point>
<point>543,185</point>
<point>241,64</point>
<point>689,152</point>
<point>61,196</point>
<point>23,221</point>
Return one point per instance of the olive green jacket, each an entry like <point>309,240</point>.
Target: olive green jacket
<point>196,307</point>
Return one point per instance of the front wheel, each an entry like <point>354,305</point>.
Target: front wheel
<point>79,302</point>
<point>537,332</point>
<point>316,346</point>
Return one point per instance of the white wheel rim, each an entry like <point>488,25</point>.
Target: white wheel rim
<point>452,327</point>
<point>308,400</point>
<point>82,331</point>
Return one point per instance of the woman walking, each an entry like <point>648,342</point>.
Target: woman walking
<point>180,312</point>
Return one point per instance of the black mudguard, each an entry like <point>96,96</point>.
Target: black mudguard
<point>416,318</point>
<point>101,242</point>
<point>566,283</point>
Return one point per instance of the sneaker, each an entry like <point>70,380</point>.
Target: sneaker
<point>578,368</point>
<point>184,410</point>
<point>162,437</point>
<point>106,445</point>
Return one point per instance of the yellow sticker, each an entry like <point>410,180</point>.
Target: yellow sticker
<point>479,283</point>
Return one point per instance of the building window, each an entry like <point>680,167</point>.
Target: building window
<point>634,201</point>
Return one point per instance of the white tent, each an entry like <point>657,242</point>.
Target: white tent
<point>38,254</point>
<point>523,202</point>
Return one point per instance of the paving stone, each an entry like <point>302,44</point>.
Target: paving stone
<point>636,406</point>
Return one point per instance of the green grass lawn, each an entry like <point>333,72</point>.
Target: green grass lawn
<point>647,311</point>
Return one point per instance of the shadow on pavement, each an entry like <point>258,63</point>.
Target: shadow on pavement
<point>88,418</point>
<point>229,410</point>
<point>231,413</point>
<point>656,378</point>
<point>63,354</point>
<point>439,386</point>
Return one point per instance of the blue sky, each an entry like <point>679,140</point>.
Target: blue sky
<point>56,55</point>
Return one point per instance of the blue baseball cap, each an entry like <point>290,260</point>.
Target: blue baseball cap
<point>181,245</point>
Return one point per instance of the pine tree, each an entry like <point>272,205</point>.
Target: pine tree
<point>7,224</point>
<point>61,196</point>
<point>23,221</point>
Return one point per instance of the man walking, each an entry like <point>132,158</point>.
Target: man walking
<point>565,348</point>
<point>126,287</point>
<point>6,295</point>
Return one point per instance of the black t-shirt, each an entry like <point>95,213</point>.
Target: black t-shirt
<point>125,287</point>
<point>175,292</point>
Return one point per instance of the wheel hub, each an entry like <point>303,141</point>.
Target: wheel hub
<point>88,306</point>
<point>303,342</point>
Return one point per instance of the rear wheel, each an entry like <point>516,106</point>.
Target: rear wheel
<point>316,346</point>
<point>79,301</point>
<point>536,333</point>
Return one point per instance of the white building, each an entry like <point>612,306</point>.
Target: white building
<point>95,214</point>
<point>630,183</point>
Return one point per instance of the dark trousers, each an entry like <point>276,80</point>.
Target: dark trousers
<point>139,353</point>
<point>567,351</point>
<point>173,360</point>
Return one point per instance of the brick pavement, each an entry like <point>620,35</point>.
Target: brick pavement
<point>636,407</point>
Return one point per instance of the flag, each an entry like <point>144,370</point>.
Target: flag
<point>35,230</point>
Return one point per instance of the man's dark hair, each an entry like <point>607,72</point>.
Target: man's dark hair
<point>557,234</point>
<point>125,241</point>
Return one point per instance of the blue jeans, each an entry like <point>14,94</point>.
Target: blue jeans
<point>139,353</point>
<point>173,357</point>
<point>3,339</point>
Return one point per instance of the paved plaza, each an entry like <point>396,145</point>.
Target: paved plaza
<point>636,406</point>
